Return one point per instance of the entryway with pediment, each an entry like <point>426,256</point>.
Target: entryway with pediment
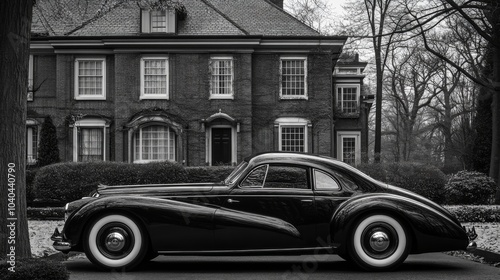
<point>221,139</point>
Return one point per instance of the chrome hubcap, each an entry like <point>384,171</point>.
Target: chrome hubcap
<point>379,241</point>
<point>115,241</point>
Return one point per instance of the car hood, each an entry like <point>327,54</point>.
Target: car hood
<point>157,189</point>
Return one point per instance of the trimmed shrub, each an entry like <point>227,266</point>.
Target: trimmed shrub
<point>470,187</point>
<point>208,174</point>
<point>475,213</point>
<point>425,180</point>
<point>34,269</point>
<point>71,181</point>
<point>48,150</point>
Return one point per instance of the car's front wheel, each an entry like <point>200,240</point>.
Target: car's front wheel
<point>115,241</point>
<point>379,242</point>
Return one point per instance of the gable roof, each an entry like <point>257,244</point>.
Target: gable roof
<point>204,18</point>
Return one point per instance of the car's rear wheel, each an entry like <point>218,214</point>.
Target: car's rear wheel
<point>115,241</point>
<point>379,242</point>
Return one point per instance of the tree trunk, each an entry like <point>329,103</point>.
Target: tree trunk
<point>495,141</point>
<point>15,25</point>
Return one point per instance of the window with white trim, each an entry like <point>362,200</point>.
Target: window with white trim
<point>31,144</point>
<point>154,78</point>
<point>221,77</point>
<point>158,21</point>
<point>348,98</point>
<point>154,143</point>
<point>293,134</point>
<point>89,140</point>
<point>349,147</point>
<point>90,78</point>
<point>293,77</point>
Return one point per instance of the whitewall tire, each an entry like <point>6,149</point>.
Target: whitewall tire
<point>379,242</point>
<point>115,241</point>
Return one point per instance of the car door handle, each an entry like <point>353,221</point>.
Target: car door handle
<point>232,201</point>
<point>306,200</point>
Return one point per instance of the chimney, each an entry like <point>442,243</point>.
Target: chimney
<point>278,3</point>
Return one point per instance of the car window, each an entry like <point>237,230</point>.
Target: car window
<point>324,181</point>
<point>256,178</point>
<point>286,177</point>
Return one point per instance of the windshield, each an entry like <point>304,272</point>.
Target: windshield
<point>234,175</point>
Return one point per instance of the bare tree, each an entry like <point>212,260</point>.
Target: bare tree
<point>314,13</point>
<point>483,17</point>
<point>409,76</point>
<point>373,19</point>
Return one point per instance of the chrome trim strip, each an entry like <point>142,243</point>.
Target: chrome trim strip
<point>246,251</point>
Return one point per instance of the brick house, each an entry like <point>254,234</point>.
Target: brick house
<point>225,80</point>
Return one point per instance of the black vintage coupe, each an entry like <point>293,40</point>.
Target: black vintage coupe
<point>272,203</point>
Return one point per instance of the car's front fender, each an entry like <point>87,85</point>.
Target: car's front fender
<point>160,217</point>
<point>432,230</point>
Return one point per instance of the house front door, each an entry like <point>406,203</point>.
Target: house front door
<point>221,146</point>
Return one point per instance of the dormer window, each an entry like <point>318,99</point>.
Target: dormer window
<point>158,21</point>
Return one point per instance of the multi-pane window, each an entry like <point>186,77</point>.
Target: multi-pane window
<point>293,138</point>
<point>90,78</point>
<point>31,144</point>
<point>90,144</point>
<point>89,139</point>
<point>158,21</point>
<point>293,77</point>
<point>154,143</point>
<point>154,78</point>
<point>349,147</point>
<point>347,99</point>
<point>349,150</point>
<point>221,77</point>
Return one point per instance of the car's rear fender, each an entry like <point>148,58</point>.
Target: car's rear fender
<point>165,220</point>
<point>431,230</point>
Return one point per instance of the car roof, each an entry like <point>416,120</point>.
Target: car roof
<point>297,158</point>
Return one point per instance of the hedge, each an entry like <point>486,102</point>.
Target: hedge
<point>70,181</point>
<point>475,213</point>
<point>469,187</point>
<point>425,180</point>
<point>208,174</point>
<point>34,269</point>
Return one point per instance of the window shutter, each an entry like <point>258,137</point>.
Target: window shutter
<point>171,21</point>
<point>145,21</point>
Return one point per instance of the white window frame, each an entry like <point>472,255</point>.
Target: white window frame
<point>284,96</point>
<point>134,147</point>
<point>30,126</point>
<point>340,99</point>
<point>341,135</point>
<point>211,66</point>
<point>147,21</point>
<point>293,122</point>
<point>90,123</point>
<point>143,95</point>
<point>78,96</point>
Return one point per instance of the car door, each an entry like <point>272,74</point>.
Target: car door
<point>272,208</point>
